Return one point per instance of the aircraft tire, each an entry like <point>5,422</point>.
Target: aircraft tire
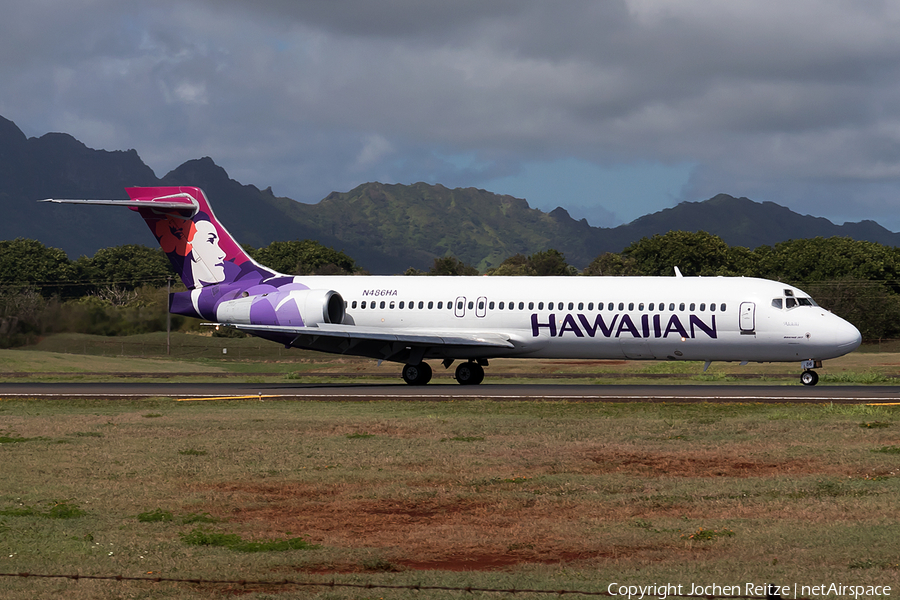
<point>809,377</point>
<point>419,374</point>
<point>469,373</point>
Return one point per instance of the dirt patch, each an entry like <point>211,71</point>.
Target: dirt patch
<point>446,532</point>
<point>498,562</point>
<point>589,363</point>
<point>700,465</point>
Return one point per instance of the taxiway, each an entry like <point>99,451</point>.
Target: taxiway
<point>438,393</point>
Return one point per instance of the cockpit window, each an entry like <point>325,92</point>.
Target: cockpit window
<point>791,301</point>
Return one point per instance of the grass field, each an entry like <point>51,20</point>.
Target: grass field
<point>204,358</point>
<point>546,495</point>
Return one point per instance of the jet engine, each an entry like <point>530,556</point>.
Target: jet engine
<point>291,307</point>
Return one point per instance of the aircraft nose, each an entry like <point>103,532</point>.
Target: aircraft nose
<point>847,337</point>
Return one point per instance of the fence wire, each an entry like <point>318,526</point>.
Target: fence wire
<point>366,586</point>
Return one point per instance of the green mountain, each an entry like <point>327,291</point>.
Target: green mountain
<point>386,228</point>
<point>420,222</point>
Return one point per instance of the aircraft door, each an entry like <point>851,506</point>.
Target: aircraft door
<point>459,308</point>
<point>748,317</point>
<point>481,307</point>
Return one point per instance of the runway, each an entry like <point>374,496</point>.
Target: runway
<point>441,393</point>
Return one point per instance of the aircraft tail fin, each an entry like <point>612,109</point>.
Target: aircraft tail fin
<point>201,250</point>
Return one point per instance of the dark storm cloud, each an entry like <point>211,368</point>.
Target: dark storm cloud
<point>796,102</point>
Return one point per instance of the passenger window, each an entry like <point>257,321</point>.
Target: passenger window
<point>471,305</point>
<point>650,308</point>
<point>430,304</point>
<point>459,305</point>
<point>354,304</point>
<point>421,304</point>
<point>531,306</point>
<point>722,307</point>
<point>590,306</point>
<point>500,306</point>
<point>382,304</point>
<point>571,305</point>
<point>391,305</point>
<point>540,306</point>
<point>440,305</point>
<point>702,306</point>
<point>693,307</point>
<point>681,306</point>
<point>631,306</point>
<point>621,306</point>
<point>641,306</point>
<point>481,305</point>
<point>671,306</point>
<point>402,304</point>
<point>491,305</point>
<point>363,305</point>
<point>712,307</point>
<point>521,306</point>
<point>777,303</point>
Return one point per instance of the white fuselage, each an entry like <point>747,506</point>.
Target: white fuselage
<point>674,318</point>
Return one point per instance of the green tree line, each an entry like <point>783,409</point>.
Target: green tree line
<point>121,290</point>
<point>118,291</point>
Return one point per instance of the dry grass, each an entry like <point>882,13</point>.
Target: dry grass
<point>196,358</point>
<point>547,495</point>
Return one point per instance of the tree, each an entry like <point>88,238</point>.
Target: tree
<point>693,253</point>
<point>610,263</point>
<point>450,265</point>
<point>829,259</point>
<point>29,262</point>
<point>125,268</point>
<point>303,257</point>
<point>546,262</point>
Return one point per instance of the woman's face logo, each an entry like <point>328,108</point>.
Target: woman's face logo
<point>208,258</point>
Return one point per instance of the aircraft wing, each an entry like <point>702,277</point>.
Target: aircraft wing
<point>378,342</point>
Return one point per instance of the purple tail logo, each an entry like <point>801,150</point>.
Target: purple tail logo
<point>201,250</point>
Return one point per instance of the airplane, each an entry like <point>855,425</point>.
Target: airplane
<point>409,320</point>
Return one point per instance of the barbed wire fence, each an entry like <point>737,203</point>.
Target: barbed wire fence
<point>770,588</point>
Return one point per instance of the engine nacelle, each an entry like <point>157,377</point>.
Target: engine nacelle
<point>292,308</point>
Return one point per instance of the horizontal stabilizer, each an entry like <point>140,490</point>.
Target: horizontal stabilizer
<point>183,203</point>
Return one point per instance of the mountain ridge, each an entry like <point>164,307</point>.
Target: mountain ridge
<point>386,228</point>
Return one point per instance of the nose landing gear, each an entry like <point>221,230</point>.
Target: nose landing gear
<point>808,376</point>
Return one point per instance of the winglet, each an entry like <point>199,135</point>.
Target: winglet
<point>678,272</point>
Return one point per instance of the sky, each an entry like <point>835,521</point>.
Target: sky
<point>611,109</point>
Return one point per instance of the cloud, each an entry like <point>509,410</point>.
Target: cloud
<point>797,102</point>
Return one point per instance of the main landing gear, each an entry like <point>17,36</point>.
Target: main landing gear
<point>808,376</point>
<point>467,373</point>
<point>419,374</point>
